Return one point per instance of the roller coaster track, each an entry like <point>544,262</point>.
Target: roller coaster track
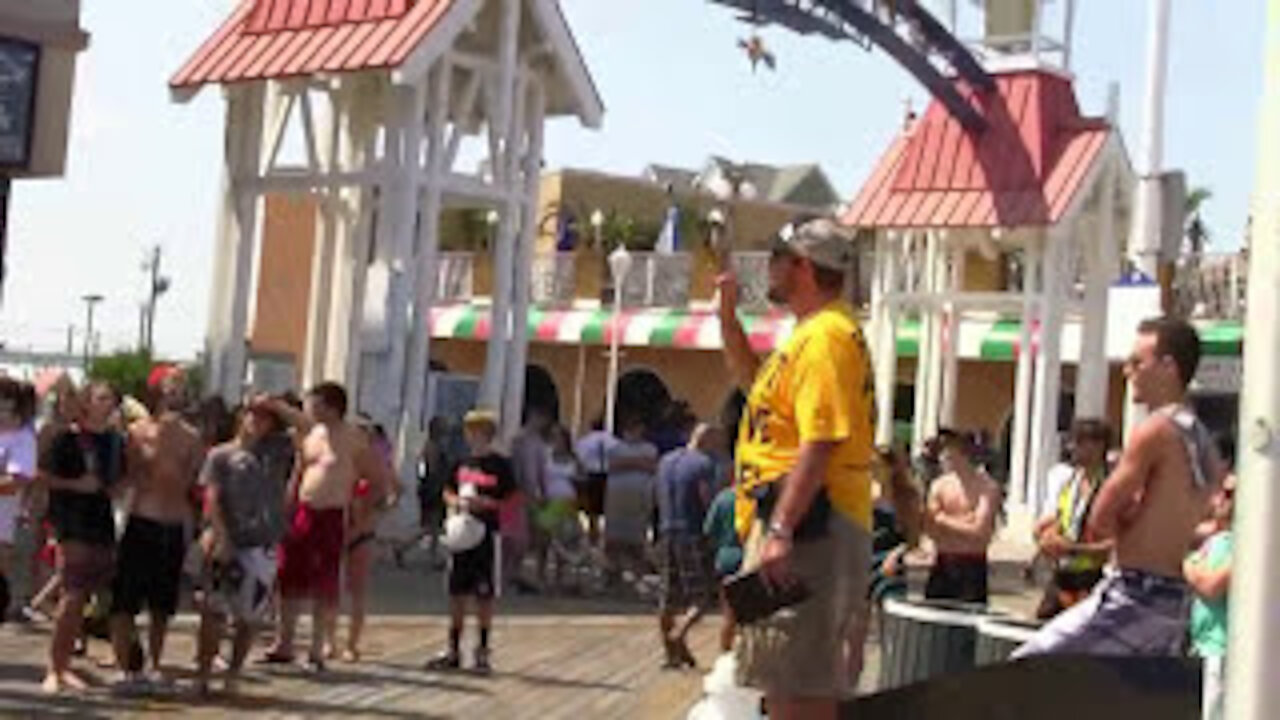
<point>903,29</point>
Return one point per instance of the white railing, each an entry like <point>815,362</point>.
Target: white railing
<point>554,280</point>
<point>456,278</point>
<point>1212,286</point>
<point>658,280</point>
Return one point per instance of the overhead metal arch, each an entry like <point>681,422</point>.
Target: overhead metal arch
<point>904,29</point>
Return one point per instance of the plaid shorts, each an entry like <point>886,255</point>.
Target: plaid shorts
<point>1129,613</point>
<point>687,577</point>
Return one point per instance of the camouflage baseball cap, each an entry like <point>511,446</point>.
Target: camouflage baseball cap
<point>823,241</point>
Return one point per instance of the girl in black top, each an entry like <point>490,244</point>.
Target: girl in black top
<point>82,465</point>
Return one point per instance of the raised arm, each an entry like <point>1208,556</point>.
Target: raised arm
<point>742,361</point>
<point>291,416</point>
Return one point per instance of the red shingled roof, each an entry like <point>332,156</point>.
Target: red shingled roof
<point>1024,169</point>
<point>272,39</point>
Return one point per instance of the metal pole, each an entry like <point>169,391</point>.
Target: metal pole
<point>1252,692</point>
<point>1144,246</point>
<point>611,392</point>
<point>155,296</point>
<point>89,302</point>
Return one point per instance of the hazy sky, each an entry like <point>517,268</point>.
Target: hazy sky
<point>143,170</point>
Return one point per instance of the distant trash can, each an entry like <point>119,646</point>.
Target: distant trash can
<point>999,637</point>
<point>926,639</point>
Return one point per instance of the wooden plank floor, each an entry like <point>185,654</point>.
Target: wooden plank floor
<point>549,667</point>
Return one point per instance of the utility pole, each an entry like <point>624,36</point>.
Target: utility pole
<point>90,301</point>
<point>1144,244</point>
<point>157,285</point>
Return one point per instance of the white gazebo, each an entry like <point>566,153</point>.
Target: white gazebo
<point>1022,221</point>
<point>371,108</point>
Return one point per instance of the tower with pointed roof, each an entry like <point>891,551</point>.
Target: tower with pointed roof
<point>1021,220</point>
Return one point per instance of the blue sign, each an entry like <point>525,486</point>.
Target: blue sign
<point>19,73</point>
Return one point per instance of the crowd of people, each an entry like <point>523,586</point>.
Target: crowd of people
<point>788,507</point>
<point>121,505</point>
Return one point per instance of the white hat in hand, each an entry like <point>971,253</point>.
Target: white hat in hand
<point>462,532</point>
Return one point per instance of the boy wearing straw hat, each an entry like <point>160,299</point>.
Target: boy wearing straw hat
<point>480,484</point>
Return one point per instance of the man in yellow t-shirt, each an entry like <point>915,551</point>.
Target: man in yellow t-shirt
<point>803,473</point>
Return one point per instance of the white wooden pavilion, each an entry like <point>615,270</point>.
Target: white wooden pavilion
<point>383,95</point>
<point>1042,185</point>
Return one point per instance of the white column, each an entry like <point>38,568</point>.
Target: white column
<point>365,238</point>
<point>238,232</point>
<point>1021,433</point>
<point>1092,373</point>
<point>504,133</point>
<point>426,277</point>
<point>951,360</point>
<point>1254,645</point>
<point>1048,382</point>
<point>1144,245</point>
<point>886,350</point>
<point>924,354</point>
<point>531,163</point>
<point>410,109</point>
<point>351,150</point>
<point>938,283</point>
<point>579,383</point>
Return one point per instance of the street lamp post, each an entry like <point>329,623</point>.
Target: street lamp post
<point>90,301</point>
<point>597,228</point>
<point>716,222</point>
<point>619,265</point>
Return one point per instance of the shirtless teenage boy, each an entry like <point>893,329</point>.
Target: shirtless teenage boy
<point>1150,505</point>
<point>164,458</point>
<point>960,518</point>
<point>333,455</point>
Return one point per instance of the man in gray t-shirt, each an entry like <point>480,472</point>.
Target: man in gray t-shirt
<point>251,501</point>
<point>244,482</point>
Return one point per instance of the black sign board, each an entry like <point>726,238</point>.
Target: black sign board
<point>19,74</point>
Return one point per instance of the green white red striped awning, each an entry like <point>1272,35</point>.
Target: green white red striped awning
<point>980,339</point>
<point>674,328</point>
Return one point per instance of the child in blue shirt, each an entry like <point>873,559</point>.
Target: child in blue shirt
<point>1208,572</point>
<point>723,536</point>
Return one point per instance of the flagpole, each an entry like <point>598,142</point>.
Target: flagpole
<point>1252,693</point>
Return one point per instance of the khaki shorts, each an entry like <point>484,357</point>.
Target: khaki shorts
<point>801,651</point>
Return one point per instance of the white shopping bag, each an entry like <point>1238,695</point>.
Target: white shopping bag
<point>723,698</point>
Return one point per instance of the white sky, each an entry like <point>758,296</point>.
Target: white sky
<point>143,170</point>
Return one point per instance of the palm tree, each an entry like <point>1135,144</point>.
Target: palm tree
<point>1197,235</point>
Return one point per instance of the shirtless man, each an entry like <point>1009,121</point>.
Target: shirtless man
<point>164,458</point>
<point>961,519</point>
<point>1150,505</point>
<point>333,456</point>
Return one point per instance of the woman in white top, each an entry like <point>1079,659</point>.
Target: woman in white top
<point>559,506</point>
<point>17,468</point>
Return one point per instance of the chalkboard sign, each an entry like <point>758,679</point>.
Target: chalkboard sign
<point>19,73</point>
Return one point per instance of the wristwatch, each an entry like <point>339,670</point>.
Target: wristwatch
<point>779,531</point>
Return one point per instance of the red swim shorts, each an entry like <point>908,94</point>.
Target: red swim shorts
<point>311,554</point>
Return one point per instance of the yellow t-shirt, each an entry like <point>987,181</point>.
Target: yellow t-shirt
<point>818,387</point>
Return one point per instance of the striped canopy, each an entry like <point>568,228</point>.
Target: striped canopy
<point>992,339</point>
